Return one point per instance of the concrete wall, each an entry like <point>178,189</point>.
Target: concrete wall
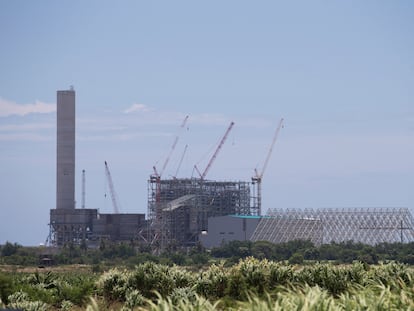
<point>118,227</point>
<point>223,229</point>
<point>65,162</point>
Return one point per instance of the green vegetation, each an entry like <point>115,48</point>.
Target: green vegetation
<point>237,276</point>
<point>251,284</point>
<point>129,254</point>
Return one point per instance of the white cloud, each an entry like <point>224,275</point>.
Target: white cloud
<point>137,108</point>
<point>9,108</point>
<point>25,137</point>
<point>122,137</point>
<point>26,127</point>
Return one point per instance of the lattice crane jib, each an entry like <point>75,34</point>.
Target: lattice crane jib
<point>174,144</point>
<point>216,152</point>
<point>114,196</point>
<point>258,176</point>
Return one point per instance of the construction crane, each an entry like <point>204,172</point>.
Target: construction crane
<point>258,177</point>
<point>164,166</point>
<point>181,162</point>
<point>83,188</point>
<point>204,174</point>
<point>114,196</point>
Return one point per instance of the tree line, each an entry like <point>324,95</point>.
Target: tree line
<point>131,254</point>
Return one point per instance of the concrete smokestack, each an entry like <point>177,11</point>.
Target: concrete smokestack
<point>65,162</point>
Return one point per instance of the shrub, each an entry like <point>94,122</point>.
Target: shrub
<point>183,293</point>
<point>150,277</point>
<point>6,287</point>
<point>212,283</point>
<point>279,274</point>
<point>113,284</point>
<point>21,301</point>
<point>296,259</point>
<point>133,298</point>
<point>255,273</point>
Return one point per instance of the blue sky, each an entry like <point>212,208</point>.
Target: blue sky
<point>341,73</point>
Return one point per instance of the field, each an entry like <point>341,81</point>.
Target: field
<point>251,284</point>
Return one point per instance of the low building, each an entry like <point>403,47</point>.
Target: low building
<point>75,226</point>
<point>223,229</point>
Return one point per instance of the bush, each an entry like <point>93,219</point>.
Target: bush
<point>212,283</point>
<point>133,298</point>
<point>296,259</point>
<point>6,287</point>
<point>113,284</point>
<point>279,274</point>
<point>21,301</point>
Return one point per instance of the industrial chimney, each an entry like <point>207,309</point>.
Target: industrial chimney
<point>65,161</point>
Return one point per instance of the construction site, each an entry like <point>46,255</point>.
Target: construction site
<point>184,212</point>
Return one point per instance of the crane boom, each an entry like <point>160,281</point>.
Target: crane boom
<point>257,179</point>
<point>114,197</point>
<point>164,166</point>
<point>217,151</point>
<point>181,161</point>
<point>260,175</point>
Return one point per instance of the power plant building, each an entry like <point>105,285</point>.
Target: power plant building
<point>68,224</point>
<point>186,211</point>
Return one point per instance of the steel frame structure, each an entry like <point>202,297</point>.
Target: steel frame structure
<point>178,209</point>
<point>325,225</point>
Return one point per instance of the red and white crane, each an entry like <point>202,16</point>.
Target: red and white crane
<point>258,177</point>
<point>204,174</point>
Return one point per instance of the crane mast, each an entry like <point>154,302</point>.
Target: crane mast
<point>257,179</point>
<point>114,196</point>
<point>83,188</point>
<point>204,174</point>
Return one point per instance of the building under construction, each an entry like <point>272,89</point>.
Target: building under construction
<point>178,209</point>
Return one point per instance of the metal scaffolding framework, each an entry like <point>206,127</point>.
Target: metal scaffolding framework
<point>178,209</point>
<point>321,226</point>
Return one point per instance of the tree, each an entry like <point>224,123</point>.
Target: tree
<point>9,249</point>
<point>311,253</point>
<point>296,259</point>
<point>263,249</point>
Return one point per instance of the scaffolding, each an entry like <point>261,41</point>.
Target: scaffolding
<point>325,225</point>
<point>178,209</point>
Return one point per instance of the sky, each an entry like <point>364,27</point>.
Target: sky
<point>340,73</point>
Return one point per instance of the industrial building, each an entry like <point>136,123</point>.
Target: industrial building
<point>224,229</point>
<point>71,225</point>
<point>179,209</point>
<point>183,212</point>
<point>320,226</point>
